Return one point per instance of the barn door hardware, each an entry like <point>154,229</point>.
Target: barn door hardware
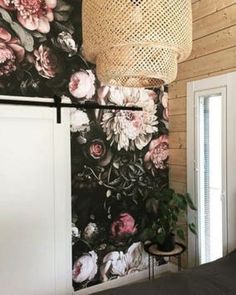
<point>58,104</point>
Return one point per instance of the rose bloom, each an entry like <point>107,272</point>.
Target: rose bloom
<point>85,268</point>
<point>157,155</point>
<point>32,14</point>
<point>46,62</point>
<point>82,84</point>
<point>123,225</point>
<point>11,52</point>
<point>97,149</point>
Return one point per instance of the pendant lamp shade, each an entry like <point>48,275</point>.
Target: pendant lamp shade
<point>137,43</point>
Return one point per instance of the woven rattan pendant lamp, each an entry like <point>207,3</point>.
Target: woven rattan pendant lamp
<point>137,43</point>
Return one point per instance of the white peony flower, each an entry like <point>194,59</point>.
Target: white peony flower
<point>164,101</point>
<point>90,231</point>
<point>79,121</point>
<point>67,43</point>
<point>75,233</point>
<point>118,263</point>
<point>130,128</point>
<point>85,268</point>
<point>102,93</point>
<point>82,84</point>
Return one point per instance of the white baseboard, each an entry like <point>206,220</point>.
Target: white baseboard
<point>132,278</point>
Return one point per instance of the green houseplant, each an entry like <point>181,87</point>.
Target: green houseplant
<point>166,207</point>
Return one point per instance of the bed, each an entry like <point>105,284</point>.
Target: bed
<point>215,278</point>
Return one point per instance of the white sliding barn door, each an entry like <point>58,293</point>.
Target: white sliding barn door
<point>35,219</point>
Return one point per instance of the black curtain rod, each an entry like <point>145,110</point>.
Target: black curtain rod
<point>58,105</point>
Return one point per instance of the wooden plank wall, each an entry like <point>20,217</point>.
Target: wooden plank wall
<point>214,52</point>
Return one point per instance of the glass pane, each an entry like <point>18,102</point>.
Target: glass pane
<point>210,170</point>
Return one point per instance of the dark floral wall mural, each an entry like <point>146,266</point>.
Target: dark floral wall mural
<point>119,158</point>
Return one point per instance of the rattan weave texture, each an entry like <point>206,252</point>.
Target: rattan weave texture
<point>137,43</point>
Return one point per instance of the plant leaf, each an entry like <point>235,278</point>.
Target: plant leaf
<point>116,165</point>
<point>61,16</point>
<point>25,37</point>
<point>115,181</point>
<point>180,233</point>
<point>190,202</point>
<point>5,15</point>
<point>62,6</point>
<point>192,227</point>
<point>67,27</point>
<point>140,167</point>
<point>160,238</point>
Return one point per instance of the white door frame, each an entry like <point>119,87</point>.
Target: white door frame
<point>227,85</point>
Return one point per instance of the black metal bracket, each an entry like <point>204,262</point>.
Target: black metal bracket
<point>57,100</point>
<point>58,104</point>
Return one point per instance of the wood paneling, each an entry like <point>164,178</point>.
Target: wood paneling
<point>177,140</point>
<point>211,63</point>
<point>214,22</point>
<point>178,88</point>
<point>178,173</point>
<point>204,8</point>
<point>214,53</point>
<point>177,157</point>
<point>177,106</point>
<point>178,123</point>
<point>179,187</point>
<point>215,42</point>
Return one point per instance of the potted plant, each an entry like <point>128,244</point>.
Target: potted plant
<point>165,209</point>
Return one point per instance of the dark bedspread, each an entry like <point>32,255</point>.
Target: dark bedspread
<point>215,278</point>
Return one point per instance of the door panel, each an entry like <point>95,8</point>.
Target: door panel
<point>34,202</point>
<point>225,87</point>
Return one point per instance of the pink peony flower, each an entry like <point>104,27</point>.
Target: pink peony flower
<point>82,84</point>
<point>123,225</point>
<point>46,62</point>
<point>11,52</point>
<point>85,268</point>
<point>157,155</point>
<point>32,14</point>
<point>7,4</point>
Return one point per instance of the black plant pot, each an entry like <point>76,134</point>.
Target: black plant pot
<point>168,244</point>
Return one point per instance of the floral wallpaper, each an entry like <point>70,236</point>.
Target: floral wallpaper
<point>118,157</point>
<point>119,160</point>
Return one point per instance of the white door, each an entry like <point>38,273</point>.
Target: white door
<point>35,250</point>
<point>212,165</point>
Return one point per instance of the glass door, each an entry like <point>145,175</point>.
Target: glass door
<point>210,144</point>
<point>211,166</point>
